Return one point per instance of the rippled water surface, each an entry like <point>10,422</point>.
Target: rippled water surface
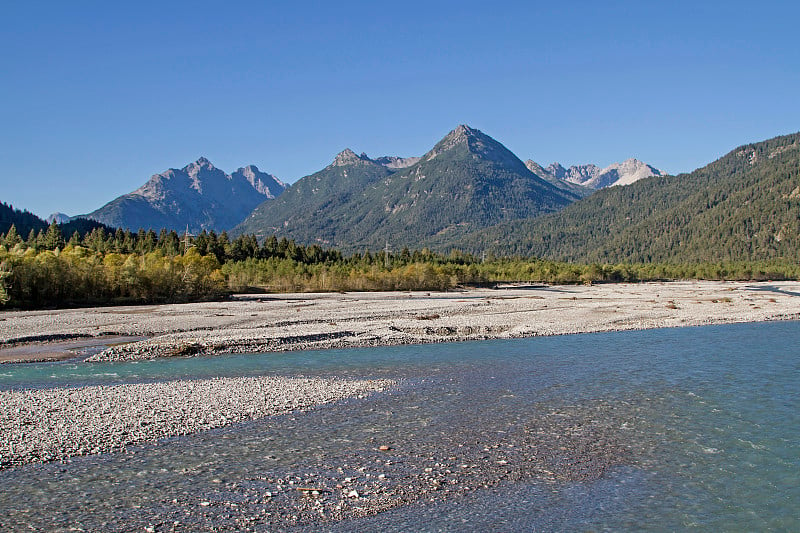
<point>710,416</point>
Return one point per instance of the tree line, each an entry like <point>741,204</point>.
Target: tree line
<point>49,269</point>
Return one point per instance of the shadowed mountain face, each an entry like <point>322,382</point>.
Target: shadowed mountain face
<point>743,207</point>
<point>467,181</point>
<point>199,196</point>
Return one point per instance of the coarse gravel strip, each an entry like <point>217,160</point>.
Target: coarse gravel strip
<point>55,424</point>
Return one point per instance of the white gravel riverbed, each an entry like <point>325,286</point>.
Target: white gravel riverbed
<point>261,323</point>
<point>54,424</point>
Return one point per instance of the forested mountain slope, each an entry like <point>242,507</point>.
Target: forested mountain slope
<point>744,206</point>
<point>466,182</point>
<point>317,207</point>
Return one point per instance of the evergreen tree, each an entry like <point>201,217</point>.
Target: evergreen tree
<point>96,240</point>
<point>270,247</point>
<point>5,273</point>
<point>170,243</point>
<point>150,242</point>
<point>215,247</point>
<point>11,238</point>
<point>53,238</point>
<point>119,241</point>
<point>224,247</point>
<point>31,240</point>
<point>39,242</point>
<point>201,243</point>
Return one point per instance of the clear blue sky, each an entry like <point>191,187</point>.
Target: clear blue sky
<point>97,96</point>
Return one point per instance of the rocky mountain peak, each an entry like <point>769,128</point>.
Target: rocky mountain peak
<point>535,167</point>
<point>201,163</point>
<point>556,170</point>
<point>348,157</point>
<point>264,183</point>
<point>199,194</point>
<point>625,173</point>
<point>462,133</point>
<point>594,177</point>
<point>462,130</point>
<point>632,164</point>
<point>250,171</point>
<point>194,171</point>
<point>473,140</point>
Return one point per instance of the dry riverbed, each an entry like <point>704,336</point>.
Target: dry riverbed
<point>262,323</point>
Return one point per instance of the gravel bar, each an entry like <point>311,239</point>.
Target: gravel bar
<point>282,322</point>
<point>55,424</point>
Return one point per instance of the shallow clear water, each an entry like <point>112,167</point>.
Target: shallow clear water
<point>711,415</point>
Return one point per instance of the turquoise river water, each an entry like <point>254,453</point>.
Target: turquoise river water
<point>711,414</point>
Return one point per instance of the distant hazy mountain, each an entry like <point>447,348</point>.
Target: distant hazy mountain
<point>574,174</point>
<point>594,177</point>
<point>467,181</point>
<point>59,218</point>
<point>198,195</point>
<point>561,183</point>
<point>744,206</point>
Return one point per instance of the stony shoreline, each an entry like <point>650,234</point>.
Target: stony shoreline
<point>54,424</point>
<point>264,323</point>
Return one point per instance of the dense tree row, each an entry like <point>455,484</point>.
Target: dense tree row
<point>47,270</point>
<point>77,276</point>
<point>168,243</point>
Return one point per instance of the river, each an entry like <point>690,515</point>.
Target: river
<point>672,429</point>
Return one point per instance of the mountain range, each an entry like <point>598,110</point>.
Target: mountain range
<point>470,192</point>
<point>594,177</point>
<point>198,196</point>
<point>466,182</point>
<point>358,201</point>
